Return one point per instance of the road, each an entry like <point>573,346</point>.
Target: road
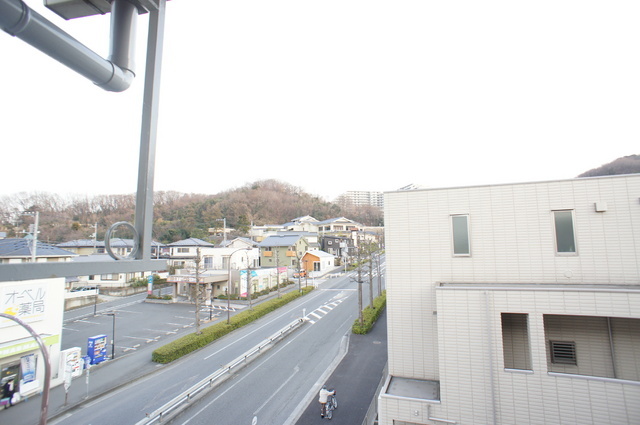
<point>278,387</point>
<point>271,389</point>
<point>288,372</point>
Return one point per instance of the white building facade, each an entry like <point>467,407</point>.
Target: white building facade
<point>514,304</point>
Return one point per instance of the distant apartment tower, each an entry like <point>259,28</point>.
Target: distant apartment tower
<point>358,198</point>
<point>514,304</point>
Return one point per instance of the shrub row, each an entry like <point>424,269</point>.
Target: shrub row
<point>370,315</point>
<point>192,342</point>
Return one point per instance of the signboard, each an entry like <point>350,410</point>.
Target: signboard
<point>26,344</point>
<point>243,281</point>
<point>26,302</point>
<point>149,284</point>
<point>72,357</point>
<point>28,366</point>
<point>97,348</point>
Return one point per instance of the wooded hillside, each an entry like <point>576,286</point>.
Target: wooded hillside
<point>176,215</point>
<point>625,165</point>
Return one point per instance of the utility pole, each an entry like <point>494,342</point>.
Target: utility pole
<point>359,259</point>
<point>34,240</point>
<point>95,238</point>
<point>224,230</point>
<point>379,274</point>
<point>370,255</point>
<point>249,283</point>
<point>197,291</point>
<point>299,260</point>
<point>277,273</point>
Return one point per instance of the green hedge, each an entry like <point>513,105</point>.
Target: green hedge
<point>370,315</point>
<point>189,343</point>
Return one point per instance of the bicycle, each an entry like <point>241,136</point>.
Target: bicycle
<point>332,404</point>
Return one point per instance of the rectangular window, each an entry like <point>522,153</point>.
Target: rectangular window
<point>460,228</point>
<point>183,250</point>
<point>515,341</point>
<point>565,238</point>
<point>563,352</point>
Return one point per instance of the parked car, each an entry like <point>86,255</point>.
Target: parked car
<point>301,273</point>
<point>84,288</point>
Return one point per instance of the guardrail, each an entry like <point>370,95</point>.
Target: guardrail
<point>174,406</point>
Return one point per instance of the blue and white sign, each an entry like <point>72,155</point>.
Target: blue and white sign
<point>97,348</point>
<point>28,366</point>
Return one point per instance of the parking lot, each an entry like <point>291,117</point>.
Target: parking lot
<point>135,323</point>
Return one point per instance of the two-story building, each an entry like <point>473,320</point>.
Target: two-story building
<point>338,225</point>
<point>338,246</point>
<point>514,304</point>
<point>302,224</point>
<point>282,250</point>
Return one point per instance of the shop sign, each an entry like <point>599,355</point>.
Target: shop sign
<point>28,365</point>
<point>25,345</point>
<point>26,302</point>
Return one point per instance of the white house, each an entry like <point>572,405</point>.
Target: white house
<point>317,261</point>
<point>302,224</point>
<point>514,304</point>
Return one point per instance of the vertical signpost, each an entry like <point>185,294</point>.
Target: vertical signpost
<point>150,284</point>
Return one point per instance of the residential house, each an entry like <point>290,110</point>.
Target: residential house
<point>40,304</point>
<point>120,247</point>
<point>282,250</point>
<point>20,250</point>
<point>310,237</point>
<point>104,282</point>
<point>514,304</point>
<point>317,261</point>
<point>337,246</point>
<point>238,243</point>
<point>302,224</point>
<point>345,227</point>
<point>339,225</point>
<point>259,233</point>
<point>218,265</point>
<point>83,246</point>
<point>183,254</point>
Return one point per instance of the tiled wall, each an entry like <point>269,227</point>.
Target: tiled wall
<point>512,242</point>
<point>474,380</point>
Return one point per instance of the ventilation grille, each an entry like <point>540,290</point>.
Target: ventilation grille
<point>563,352</point>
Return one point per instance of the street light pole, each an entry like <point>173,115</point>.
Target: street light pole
<point>113,335</point>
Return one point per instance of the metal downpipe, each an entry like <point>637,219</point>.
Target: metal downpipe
<point>17,19</point>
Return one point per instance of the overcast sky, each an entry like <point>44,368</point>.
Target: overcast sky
<point>333,96</point>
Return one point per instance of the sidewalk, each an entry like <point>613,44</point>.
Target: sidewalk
<point>355,379</point>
